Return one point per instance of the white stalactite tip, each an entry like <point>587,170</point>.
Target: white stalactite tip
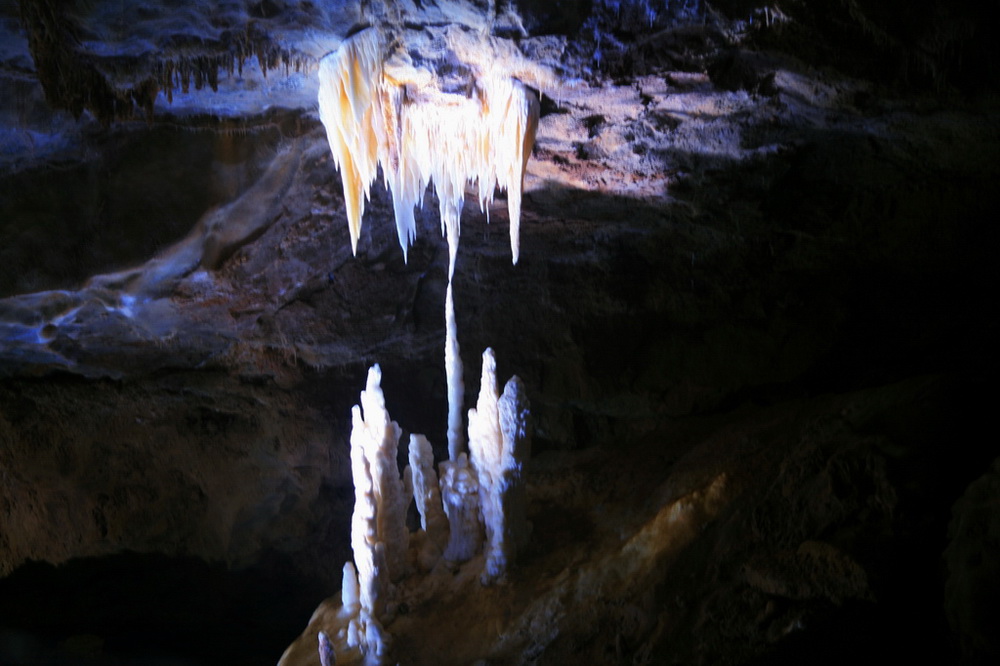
<point>383,111</point>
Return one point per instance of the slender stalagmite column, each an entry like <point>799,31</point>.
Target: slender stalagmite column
<point>453,375</point>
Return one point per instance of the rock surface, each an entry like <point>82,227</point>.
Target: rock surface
<point>752,313</point>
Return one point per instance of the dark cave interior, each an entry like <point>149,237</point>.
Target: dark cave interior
<point>757,245</point>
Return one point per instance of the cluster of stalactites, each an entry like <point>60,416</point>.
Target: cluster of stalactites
<point>380,111</point>
<point>180,70</point>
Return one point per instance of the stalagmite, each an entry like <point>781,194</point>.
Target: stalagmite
<point>360,599</point>
<point>498,447</point>
<point>378,530</point>
<point>512,482</point>
<point>369,554</point>
<point>460,494</point>
<point>350,594</point>
<point>453,378</point>
<point>427,494</point>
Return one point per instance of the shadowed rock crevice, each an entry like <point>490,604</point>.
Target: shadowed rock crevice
<point>109,605</point>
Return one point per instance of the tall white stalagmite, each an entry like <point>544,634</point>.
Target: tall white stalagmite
<point>369,557</point>
<point>498,448</point>
<point>364,594</point>
<point>378,531</point>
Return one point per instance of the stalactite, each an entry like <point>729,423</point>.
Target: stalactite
<point>70,79</point>
<point>185,74</point>
<point>144,95</point>
<point>76,80</point>
<point>212,66</point>
<point>384,111</point>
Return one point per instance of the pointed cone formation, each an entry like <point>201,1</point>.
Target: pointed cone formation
<point>379,536</point>
<point>348,81</point>
<point>384,112</point>
<point>499,445</point>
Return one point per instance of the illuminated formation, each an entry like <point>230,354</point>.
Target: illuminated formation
<point>379,531</point>
<point>427,496</point>
<point>379,537</point>
<point>383,111</point>
<point>388,113</point>
<point>499,445</point>
<point>478,493</point>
